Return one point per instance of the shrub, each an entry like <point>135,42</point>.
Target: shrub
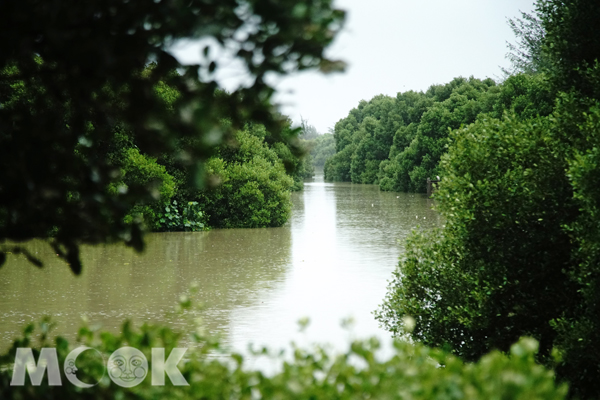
<point>187,217</point>
<point>253,189</point>
<point>413,372</point>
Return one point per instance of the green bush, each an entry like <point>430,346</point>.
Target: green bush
<point>519,252</point>
<point>140,173</point>
<point>252,190</point>
<point>413,372</point>
<point>399,141</point>
<point>187,217</point>
<point>337,168</point>
<point>492,274</point>
<point>301,167</point>
<point>254,194</point>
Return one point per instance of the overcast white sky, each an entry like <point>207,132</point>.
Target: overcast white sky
<point>394,46</point>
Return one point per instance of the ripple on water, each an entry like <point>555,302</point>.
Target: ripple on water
<point>331,260</point>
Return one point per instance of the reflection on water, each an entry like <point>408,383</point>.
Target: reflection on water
<point>331,261</point>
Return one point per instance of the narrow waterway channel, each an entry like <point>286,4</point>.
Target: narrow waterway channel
<point>332,260</point>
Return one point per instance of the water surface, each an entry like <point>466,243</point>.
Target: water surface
<point>332,260</point>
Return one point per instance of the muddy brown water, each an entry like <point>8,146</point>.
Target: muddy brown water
<point>331,261</point>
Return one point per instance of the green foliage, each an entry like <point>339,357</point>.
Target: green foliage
<point>398,142</point>
<point>301,167</point>
<point>188,217</point>
<point>573,44</point>
<point>414,371</point>
<point>72,73</point>
<point>577,331</point>
<point>369,129</point>
<point>518,254</point>
<point>526,96</point>
<point>457,103</point>
<point>322,148</point>
<point>337,168</point>
<point>494,272</point>
<point>304,170</point>
<point>140,173</point>
<point>244,166</point>
<point>253,188</point>
<point>528,55</point>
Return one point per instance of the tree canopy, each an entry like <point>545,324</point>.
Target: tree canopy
<point>519,251</point>
<point>528,55</point>
<point>73,76</point>
<point>398,142</point>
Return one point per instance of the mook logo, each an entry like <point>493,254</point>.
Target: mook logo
<point>127,367</point>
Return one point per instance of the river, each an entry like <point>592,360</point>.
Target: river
<point>332,260</point>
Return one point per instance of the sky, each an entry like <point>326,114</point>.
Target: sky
<point>393,46</point>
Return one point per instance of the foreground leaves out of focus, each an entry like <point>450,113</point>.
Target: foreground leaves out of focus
<point>413,372</point>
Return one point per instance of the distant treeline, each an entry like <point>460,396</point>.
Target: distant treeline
<point>320,147</point>
<point>397,142</point>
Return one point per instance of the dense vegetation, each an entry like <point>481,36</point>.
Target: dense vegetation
<point>93,146</point>
<point>519,251</point>
<point>397,142</point>
<point>322,149</point>
<point>73,88</point>
<point>319,146</point>
<point>253,189</point>
<point>413,372</point>
<point>251,175</point>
